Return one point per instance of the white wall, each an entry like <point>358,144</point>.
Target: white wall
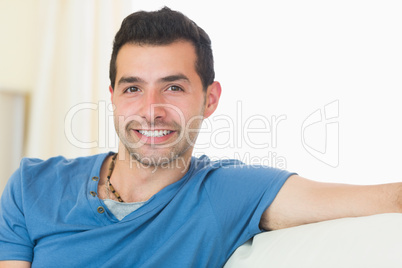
<point>286,60</point>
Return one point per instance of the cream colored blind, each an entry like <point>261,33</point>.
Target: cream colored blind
<point>12,121</point>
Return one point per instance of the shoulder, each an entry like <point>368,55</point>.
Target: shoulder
<point>59,163</point>
<point>232,170</point>
<point>34,171</point>
<point>204,163</point>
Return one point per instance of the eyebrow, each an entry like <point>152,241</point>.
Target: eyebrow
<point>130,79</point>
<point>172,78</point>
<point>169,78</point>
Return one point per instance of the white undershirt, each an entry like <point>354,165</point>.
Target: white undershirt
<point>119,209</point>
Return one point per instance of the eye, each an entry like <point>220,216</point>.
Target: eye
<point>174,88</point>
<point>132,89</point>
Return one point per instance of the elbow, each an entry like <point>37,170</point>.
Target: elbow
<point>399,199</point>
<point>393,200</point>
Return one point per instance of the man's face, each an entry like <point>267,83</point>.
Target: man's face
<point>159,101</point>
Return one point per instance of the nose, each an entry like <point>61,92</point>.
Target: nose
<point>152,107</point>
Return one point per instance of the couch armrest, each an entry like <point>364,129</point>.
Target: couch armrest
<point>372,241</point>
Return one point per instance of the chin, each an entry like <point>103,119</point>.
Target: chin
<point>154,160</point>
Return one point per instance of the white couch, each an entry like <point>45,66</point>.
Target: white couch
<point>373,241</point>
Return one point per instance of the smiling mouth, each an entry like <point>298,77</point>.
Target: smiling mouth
<point>154,133</point>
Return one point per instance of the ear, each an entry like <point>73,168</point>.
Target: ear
<point>111,93</point>
<point>212,99</point>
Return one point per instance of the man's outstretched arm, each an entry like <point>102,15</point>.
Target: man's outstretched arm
<point>15,264</point>
<point>302,201</point>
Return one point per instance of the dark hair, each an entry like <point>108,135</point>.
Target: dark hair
<point>164,27</point>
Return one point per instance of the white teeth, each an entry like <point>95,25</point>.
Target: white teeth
<point>155,133</point>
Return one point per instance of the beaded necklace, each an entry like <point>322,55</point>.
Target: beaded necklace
<point>108,185</point>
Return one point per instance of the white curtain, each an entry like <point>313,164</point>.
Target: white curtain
<point>11,132</point>
<point>69,113</point>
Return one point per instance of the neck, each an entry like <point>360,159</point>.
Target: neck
<point>136,181</point>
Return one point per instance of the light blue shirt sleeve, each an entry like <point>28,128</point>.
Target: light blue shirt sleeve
<point>239,195</point>
<point>15,243</point>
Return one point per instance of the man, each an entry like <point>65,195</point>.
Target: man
<point>153,204</point>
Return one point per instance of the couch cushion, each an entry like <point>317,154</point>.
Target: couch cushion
<point>372,241</point>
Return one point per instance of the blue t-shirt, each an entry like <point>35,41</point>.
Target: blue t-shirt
<point>51,216</point>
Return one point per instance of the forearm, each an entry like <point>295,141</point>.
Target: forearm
<point>15,264</point>
<point>376,199</point>
<point>302,201</point>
